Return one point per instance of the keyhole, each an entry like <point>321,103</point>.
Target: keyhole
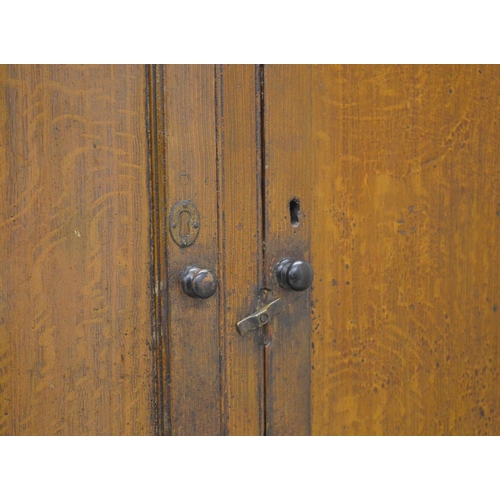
<point>294,211</point>
<point>184,222</point>
<point>185,227</point>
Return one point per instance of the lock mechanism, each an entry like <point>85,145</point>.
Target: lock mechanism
<point>184,223</point>
<point>260,317</point>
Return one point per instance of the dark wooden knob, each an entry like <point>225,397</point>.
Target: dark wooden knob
<point>197,282</point>
<point>295,274</point>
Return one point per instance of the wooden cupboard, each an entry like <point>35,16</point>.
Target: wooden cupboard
<point>384,178</point>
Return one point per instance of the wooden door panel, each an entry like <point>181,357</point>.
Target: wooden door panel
<point>184,169</point>
<point>404,241</point>
<point>206,149</point>
<point>75,330</point>
<point>288,174</point>
<point>240,247</point>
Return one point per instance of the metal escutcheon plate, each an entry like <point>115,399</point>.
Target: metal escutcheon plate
<point>184,223</point>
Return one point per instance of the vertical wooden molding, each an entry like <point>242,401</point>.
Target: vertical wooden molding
<point>156,125</point>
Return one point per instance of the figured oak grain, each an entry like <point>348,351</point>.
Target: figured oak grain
<point>396,171</point>
<point>75,330</point>
<point>405,236</point>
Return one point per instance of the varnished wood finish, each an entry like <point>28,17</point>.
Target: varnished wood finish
<point>240,240</point>
<point>75,329</point>
<point>396,172</point>
<point>288,174</point>
<point>405,236</point>
<point>188,146</point>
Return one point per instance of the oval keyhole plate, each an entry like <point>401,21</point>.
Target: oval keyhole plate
<point>184,223</point>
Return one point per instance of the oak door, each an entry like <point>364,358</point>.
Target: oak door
<point>383,178</point>
<point>397,170</point>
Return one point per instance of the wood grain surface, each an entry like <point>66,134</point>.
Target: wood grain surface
<point>190,173</point>
<point>288,173</point>
<point>75,328</point>
<point>395,173</point>
<point>405,238</point>
<point>240,247</point>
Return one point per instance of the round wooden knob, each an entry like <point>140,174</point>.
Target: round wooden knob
<point>199,283</point>
<point>295,274</point>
